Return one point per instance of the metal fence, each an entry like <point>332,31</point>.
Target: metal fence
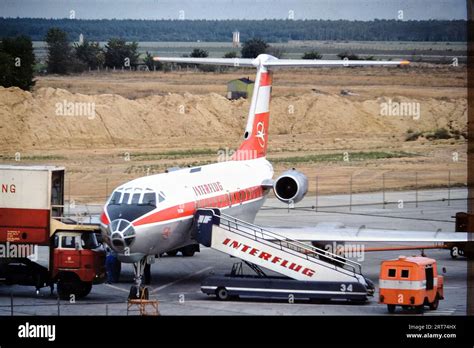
<point>380,184</point>
<point>40,306</point>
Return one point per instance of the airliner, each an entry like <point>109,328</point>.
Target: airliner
<point>153,214</point>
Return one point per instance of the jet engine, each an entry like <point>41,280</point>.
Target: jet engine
<point>291,186</point>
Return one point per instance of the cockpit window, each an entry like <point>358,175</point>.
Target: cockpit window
<point>135,198</point>
<point>149,198</point>
<point>114,224</point>
<point>131,203</point>
<point>125,198</point>
<point>115,199</point>
<point>161,196</point>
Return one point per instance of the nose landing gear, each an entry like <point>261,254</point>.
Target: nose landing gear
<point>138,291</point>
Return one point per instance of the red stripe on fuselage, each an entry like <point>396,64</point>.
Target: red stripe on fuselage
<point>187,209</point>
<point>104,218</point>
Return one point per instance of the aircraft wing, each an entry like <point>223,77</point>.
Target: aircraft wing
<point>340,232</point>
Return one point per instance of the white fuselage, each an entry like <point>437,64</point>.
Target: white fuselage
<point>150,228</point>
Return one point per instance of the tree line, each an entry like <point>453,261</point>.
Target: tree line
<point>119,54</point>
<point>221,30</point>
<point>17,59</point>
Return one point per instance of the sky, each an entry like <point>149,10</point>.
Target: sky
<point>236,9</point>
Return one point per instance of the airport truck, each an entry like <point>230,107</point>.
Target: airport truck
<point>39,246</point>
<point>410,282</point>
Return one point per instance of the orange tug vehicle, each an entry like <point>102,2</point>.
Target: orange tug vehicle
<point>38,246</point>
<point>410,282</point>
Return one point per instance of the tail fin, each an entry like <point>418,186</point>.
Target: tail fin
<point>256,132</point>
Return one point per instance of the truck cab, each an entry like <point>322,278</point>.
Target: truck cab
<point>32,215</point>
<point>410,282</point>
<point>78,262</point>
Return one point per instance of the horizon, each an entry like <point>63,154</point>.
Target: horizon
<point>353,10</point>
<point>226,19</point>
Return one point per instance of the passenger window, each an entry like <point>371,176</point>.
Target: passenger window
<point>404,273</point>
<point>392,272</point>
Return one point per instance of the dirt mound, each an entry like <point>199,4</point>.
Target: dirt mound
<point>56,118</point>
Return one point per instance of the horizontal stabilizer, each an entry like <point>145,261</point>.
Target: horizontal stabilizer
<point>266,60</point>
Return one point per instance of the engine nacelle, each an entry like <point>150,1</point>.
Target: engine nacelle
<point>291,186</point>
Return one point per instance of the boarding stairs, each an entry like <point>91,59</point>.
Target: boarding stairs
<point>266,249</point>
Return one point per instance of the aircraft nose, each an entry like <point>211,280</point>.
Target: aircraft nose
<point>121,233</point>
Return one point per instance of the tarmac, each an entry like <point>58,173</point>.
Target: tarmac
<point>176,280</point>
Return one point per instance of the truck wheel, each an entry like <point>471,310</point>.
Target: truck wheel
<point>391,308</point>
<point>188,251</point>
<point>222,294</point>
<point>434,305</point>
<point>68,286</point>
<point>85,289</point>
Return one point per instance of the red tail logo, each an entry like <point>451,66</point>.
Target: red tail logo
<point>256,132</point>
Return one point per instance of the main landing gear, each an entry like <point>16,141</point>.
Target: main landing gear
<point>139,291</point>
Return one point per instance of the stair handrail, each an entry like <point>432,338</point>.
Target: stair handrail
<point>355,266</point>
